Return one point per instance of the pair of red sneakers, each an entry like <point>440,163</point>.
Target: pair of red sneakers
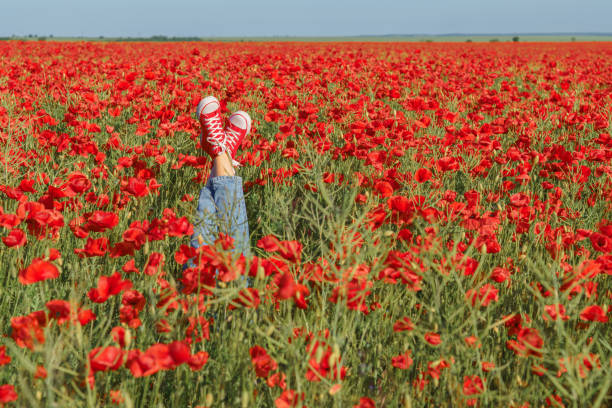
<point>216,140</point>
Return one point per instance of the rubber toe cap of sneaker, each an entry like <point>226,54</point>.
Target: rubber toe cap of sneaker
<point>207,105</point>
<point>242,120</point>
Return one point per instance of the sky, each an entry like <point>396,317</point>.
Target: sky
<point>252,18</point>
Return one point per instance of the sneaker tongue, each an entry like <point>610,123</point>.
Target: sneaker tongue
<point>210,114</point>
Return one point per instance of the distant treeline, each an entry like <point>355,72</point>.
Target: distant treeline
<point>409,38</point>
<point>155,38</point>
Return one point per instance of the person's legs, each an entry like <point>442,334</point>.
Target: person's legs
<point>231,210</point>
<point>222,166</point>
<point>221,207</point>
<point>226,187</point>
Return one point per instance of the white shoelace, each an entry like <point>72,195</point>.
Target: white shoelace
<point>214,128</point>
<point>232,135</point>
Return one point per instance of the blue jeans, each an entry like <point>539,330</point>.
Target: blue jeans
<point>221,208</point>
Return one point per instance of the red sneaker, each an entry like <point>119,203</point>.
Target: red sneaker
<point>213,136</point>
<point>238,128</point>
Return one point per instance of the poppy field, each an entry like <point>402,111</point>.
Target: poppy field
<point>431,226</point>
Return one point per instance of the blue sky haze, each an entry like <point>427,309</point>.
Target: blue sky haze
<point>240,18</point>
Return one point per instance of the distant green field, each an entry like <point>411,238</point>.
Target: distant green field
<point>432,38</point>
<point>390,38</point>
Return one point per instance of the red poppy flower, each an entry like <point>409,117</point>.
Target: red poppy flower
<point>142,364</point>
<point>100,221</point>
<point>108,286</point>
<point>85,316</point>
<point>288,399</point>
<point>594,313</point>
<point>198,360</point>
<point>472,341</point>
<point>528,343</point>
<point>500,274</point>
<point>154,264</point>
<point>4,358</point>
<point>116,397</point>
<point>105,358</point>
<point>404,324</point>
<point>286,286</point>
<point>59,310</point>
<point>118,335</point>
<point>130,266</point>
<point>179,352</point>
<point>289,250</point>
<point>27,331</point>
<point>554,312</point>
<point>448,163</point>
<point>519,200</point>
<point>40,372</point>
<point>472,385</point>
<point>79,183</point>
<point>354,293</point>
<point>277,379</point>
<point>433,338</point>
<point>248,297</point>
<point>93,247</point>
<point>402,361</point>
<point>38,270</point>
<point>384,188</point>
<point>7,394</point>
<point>262,362</point>
<point>322,364</point>
<point>137,187</point>
<point>365,402</point>
<point>15,238</point>
<point>8,220</point>
<point>484,296</point>
<point>601,242</point>
<point>422,175</point>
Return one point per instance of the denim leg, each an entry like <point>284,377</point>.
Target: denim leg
<point>205,227</point>
<point>231,210</point>
<point>221,207</point>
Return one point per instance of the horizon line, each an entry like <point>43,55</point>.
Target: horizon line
<point>535,34</point>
